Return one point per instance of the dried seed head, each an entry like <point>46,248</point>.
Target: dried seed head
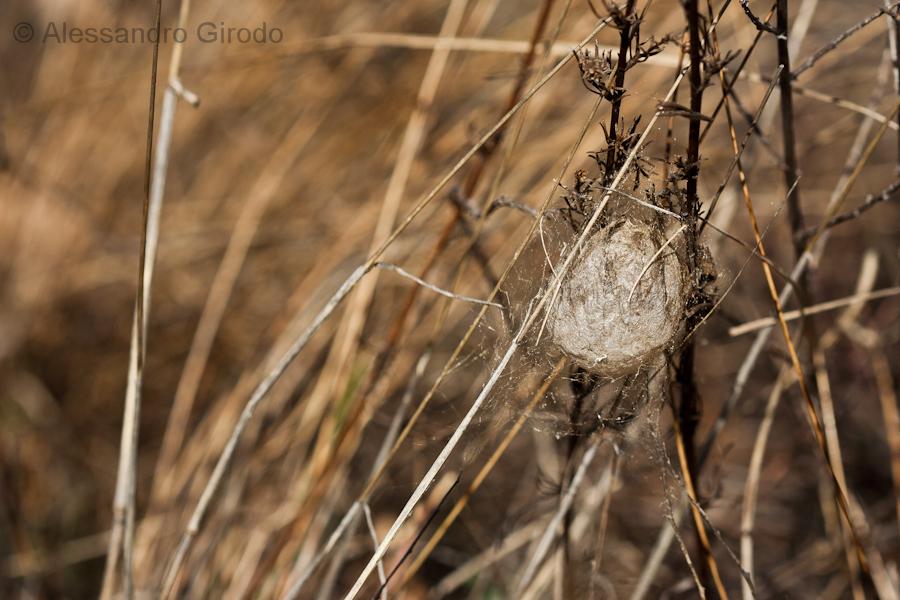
<point>615,313</point>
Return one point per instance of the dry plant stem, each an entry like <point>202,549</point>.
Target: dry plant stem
<point>412,41</point>
<point>829,421</point>
<point>734,161</point>
<point>161,164</point>
<point>893,26</point>
<point>122,535</point>
<point>371,526</point>
<point>688,417</point>
<point>738,73</point>
<point>760,25</point>
<point>887,395</point>
<point>751,487</point>
<point>658,554</point>
<point>793,315</point>
<point>693,156</point>
<point>866,111</point>
<point>482,475</point>
<point>833,44</point>
<point>872,200</point>
<point>552,528</point>
<point>699,526</point>
<point>542,301</point>
<point>795,212</point>
<point>603,521</point>
<point>670,122</point>
<point>837,202</point>
<point>625,35</point>
<point>472,567</point>
<point>266,384</point>
<point>166,123</point>
<point>447,294</point>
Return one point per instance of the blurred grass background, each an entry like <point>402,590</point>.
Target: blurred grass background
<point>308,131</point>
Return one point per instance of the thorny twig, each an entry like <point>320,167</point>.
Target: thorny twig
<point>755,20</point>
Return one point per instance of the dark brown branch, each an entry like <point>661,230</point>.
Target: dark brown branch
<point>689,409</point>
<point>795,213</point>
<point>894,35</point>
<point>624,23</point>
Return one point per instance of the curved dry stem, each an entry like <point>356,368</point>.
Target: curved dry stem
<point>751,487</point>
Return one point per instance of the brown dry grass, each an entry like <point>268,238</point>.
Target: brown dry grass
<point>307,132</point>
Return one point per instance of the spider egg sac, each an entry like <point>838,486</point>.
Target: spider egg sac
<point>613,312</point>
